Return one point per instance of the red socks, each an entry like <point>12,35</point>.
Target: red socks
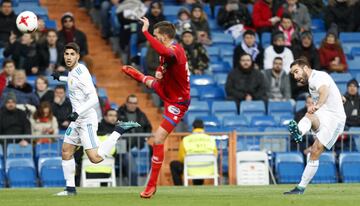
<point>132,72</point>
<point>156,162</point>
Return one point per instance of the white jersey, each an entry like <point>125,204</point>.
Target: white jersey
<point>333,103</point>
<point>81,88</point>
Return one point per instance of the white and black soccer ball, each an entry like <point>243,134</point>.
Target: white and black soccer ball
<point>27,22</point>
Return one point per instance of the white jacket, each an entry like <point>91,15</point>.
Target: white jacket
<point>270,54</point>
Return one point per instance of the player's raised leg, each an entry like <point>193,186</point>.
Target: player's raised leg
<point>137,75</point>
<point>68,165</point>
<point>297,131</point>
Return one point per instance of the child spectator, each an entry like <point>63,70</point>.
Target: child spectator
<point>289,29</point>
<point>44,123</point>
<point>42,90</point>
<point>198,59</point>
<point>298,12</point>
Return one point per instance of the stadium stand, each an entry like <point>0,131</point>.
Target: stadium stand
<point>289,167</point>
<point>349,164</point>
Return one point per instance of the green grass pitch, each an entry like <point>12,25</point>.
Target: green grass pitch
<point>324,195</point>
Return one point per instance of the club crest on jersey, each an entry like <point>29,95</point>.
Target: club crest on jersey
<point>174,110</point>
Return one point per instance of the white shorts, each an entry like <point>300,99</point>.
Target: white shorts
<point>331,126</point>
<point>83,132</point>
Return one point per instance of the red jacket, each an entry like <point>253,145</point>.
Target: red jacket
<point>2,82</point>
<point>328,53</point>
<point>261,14</point>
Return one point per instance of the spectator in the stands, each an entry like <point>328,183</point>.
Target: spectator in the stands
<point>43,122</point>
<point>352,104</point>
<point>183,21</point>
<point>201,24</point>
<point>234,13</point>
<point>42,90</point>
<point>298,12</point>
<point>263,16</point>
<point>23,52</point>
<point>245,82</point>
<point>307,49</point>
<point>22,89</point>
<point>13,121</point>
<point>278,49</point>
<point>50,53</point>
<point>61,106</point>
<point>8,69</point>
<point>251,47</point>
<point>355,18</point>
<point>7,22</point>
<point>131,112</point>
<point>197,57</point>
<point>107,124</point>
<point>339,12</point>
<point>290,30</point>
<point>41,32</point>
<point>315,8</point>
<point>196,143</point>
<point>332,56</point>
<point>277,82</point>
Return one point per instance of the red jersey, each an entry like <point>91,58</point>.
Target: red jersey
<point>174,87</point>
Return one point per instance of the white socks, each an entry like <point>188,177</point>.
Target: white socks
<point>69,172</point>
<point>309,172</point>
<point>106,146</point>
<point>304,125</point>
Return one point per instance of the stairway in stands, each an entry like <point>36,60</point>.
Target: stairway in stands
<point>106,65</point>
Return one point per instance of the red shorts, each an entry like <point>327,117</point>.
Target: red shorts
<point>173,112</point>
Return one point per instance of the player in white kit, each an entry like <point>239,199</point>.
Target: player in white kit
<point>326,118</point>
<point>83,127</point>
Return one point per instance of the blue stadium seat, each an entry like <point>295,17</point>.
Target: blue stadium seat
<point>318,37</point>
<point>289,167</point>
<point>342,87</point>
<point>210,121</point>
<point>51,172</point>
<point>341,78</point>
<point>220,67</point>
<point>277,109</point>
<point>1,151</point>
<point>220,38</point>
<point>284,119</point>
<point>141,159</point>
<point>346,37</point>
<point>235,121</point>
<point>247,141</point>
<point>227,51</point>
<point>252,108</point>
<point>354,64</point>
<point>214,27</point>
<point>213,52</point>
<point>31,80</point>
<point>299,105</point>
<point>2,174</point>
<point>171,10</point>
<point>317,25</point>
<point>114,22</point>
<point>113,105</point>
<point>21,172</point>
<point>222,109</point>
<point>48,150</point>
<point>50,24</point>
<point>194,93</point>
<point>355,52</point>
<point>212,93</point>
<point>275,143</point>
<point>197,108</point>
<point>356,138</point>
<point>263,121</point>
<point>220,79</point>
<point>349,164</point>
<point>102,93</point>
<point>17,151</point>
<point>326,172</point>
<point>265,39</point>
<point>202,80</point>
<point>38,10</point>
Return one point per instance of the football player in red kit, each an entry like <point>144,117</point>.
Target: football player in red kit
<point>171,83</point>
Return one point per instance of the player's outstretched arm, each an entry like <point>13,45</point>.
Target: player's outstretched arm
<point>159,48</point>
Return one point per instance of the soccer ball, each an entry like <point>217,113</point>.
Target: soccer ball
<point>27,22</point>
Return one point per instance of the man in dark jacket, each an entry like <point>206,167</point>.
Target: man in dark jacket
<point>307,49</point>
<point>69,33</point>
<point>340,13</point>
<point>107,124</point>
<point>7,22</point>
<point>234,13</point>
<point>277,82</point>
<point>245,82</point>
<point>12,120</point>
<point>131,112</point>
<point>61,106</point>
<point>50,53</point>
<point>352,104</point>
